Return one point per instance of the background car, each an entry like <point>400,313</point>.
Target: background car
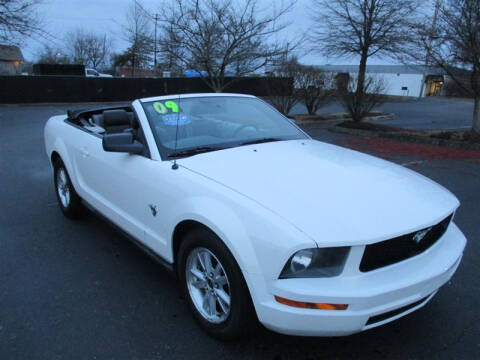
<point>89,72</point>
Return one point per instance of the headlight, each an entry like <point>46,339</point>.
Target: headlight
<point>313,263</point>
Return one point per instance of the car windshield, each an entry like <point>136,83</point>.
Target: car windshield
<point>185,126</point>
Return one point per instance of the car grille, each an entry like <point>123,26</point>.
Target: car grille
<point>403,247</point>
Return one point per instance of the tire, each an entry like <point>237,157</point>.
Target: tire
<point>69,201</point>
<point>235,319</point>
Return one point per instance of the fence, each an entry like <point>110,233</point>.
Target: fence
<point>52,89</point>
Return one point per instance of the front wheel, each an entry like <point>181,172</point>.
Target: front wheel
<point>214,285</point>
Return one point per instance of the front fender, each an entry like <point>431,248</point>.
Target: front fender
<point>223,221</point>
<point>260,241</point>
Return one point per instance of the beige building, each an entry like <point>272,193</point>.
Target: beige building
<point>11,60</point>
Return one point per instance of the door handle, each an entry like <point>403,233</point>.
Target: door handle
<point>84,152</point>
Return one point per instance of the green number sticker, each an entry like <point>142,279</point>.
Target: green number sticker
<point>172,105</point>
<point>163,109</point>
<point>160,108</point>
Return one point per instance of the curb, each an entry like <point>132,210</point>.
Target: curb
<point>419,139</point>
<point>336,118</point>
<point>389,116</point>
<point>323,123</point>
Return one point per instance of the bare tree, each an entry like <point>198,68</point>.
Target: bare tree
<point>363,28</point>
<point>88,48</point>
<point>314,87</point>
<point>221,37</point>
<point>52,55</point>
<point>121,59</point>
<point>309,85</point>
<point>283,96</point>
<point>453,44</point>
<point>18,19</point>
<point>170,52</point>
<point>360,104</point>
<point>138,34</point>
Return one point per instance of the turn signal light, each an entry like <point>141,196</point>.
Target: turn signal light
<point>307,305</point>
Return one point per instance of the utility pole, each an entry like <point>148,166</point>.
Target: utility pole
<point>155,48</point>
<point>155,51</point>
<point>438,4</point>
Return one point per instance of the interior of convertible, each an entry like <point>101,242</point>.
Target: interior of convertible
<point>206,127</point>
<point>106,121</point>
<point>198,125</point>
<point>110,121</point>
<point>194,122</point>
<point>216,121</point>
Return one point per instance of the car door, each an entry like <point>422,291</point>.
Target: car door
<point>126,189</point>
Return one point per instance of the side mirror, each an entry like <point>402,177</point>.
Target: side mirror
<point>121,142</point>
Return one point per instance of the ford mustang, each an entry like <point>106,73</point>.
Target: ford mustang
<point>256,219</point>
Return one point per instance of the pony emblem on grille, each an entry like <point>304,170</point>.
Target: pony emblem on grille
<point>420,235</point>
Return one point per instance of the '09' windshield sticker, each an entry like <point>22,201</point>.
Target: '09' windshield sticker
<point>172,119</point>
<point>163,108</point>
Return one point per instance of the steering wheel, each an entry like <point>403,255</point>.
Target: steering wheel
<point>236,132</point>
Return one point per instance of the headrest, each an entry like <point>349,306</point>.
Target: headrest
<point>98,119</point>
<point>133,122</point>
<point>115,117</point>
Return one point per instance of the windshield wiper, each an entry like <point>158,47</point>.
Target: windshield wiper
<point>262,140</point>
<point>194,151</point>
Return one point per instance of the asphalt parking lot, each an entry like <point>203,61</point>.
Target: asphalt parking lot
<point>432,113</point>
<point>79,290</point>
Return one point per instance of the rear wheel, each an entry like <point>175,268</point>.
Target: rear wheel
<point>68,199</point>
<point>214,285</point>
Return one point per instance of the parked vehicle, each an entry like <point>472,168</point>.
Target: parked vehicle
<point>258,220</point>
<point>89,72</point>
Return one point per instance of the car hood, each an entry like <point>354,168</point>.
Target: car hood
<point>334,195</point>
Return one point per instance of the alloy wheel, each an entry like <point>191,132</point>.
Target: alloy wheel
<point>208,285</point>
<point>63,188</point>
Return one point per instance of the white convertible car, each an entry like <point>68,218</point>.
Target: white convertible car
<point>258,220</point>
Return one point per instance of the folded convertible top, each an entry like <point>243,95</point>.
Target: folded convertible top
<point>75,114</point>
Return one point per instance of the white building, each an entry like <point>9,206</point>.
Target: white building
<point>400,80</point>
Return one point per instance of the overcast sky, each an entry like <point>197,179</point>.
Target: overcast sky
<point>104,16</point>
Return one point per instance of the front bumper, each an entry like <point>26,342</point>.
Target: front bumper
<point>382,291</point>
